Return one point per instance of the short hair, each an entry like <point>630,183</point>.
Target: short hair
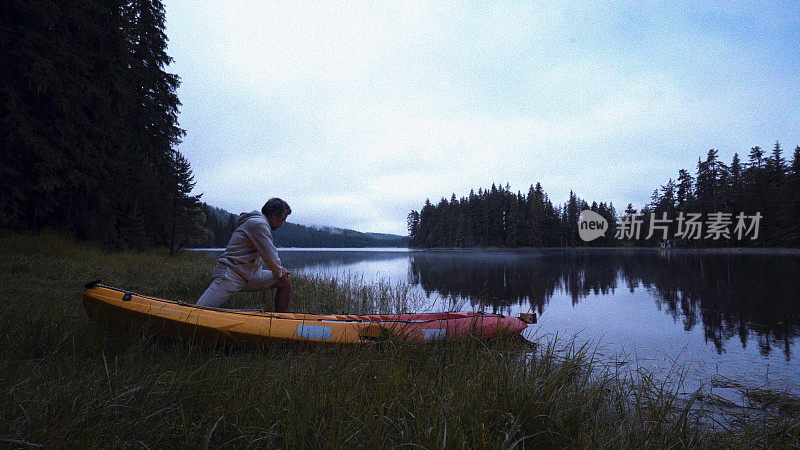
<point>276,205</point>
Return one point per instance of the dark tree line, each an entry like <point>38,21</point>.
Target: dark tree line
<point>765,184</point>
<point>294,235</point>
<point>89,124</point>
<point>497,217</point>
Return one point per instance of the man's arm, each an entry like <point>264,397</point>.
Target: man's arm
<point>261,237</point>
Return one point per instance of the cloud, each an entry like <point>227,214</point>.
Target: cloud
<point>357,112</point>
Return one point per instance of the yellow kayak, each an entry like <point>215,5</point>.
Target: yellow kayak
<point>174,318</point>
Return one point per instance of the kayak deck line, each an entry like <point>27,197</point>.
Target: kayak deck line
<point>336,317</point>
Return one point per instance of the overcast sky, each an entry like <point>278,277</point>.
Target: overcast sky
<point>355,113</point>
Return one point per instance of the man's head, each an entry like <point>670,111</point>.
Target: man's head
<point>276,211</point>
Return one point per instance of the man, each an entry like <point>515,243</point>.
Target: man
<point>240,266</point>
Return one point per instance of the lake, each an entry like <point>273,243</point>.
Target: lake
<point>702,316</point>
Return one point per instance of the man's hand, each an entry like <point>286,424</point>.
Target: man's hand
<point>284,273</point>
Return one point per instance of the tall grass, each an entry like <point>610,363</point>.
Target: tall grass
<point>66,381</point>
<point>338,294</point>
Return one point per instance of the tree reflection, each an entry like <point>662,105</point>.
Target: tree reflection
<point>731,295</point>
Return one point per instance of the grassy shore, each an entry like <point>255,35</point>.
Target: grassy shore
<point>66,382</point>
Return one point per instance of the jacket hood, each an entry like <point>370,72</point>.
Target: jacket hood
<point>243,217</point>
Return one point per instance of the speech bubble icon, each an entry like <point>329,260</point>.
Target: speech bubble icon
<point>591,225</point>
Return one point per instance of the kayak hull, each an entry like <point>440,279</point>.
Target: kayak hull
<point>173,318</point>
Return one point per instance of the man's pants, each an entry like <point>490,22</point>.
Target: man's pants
<point>225,282</point>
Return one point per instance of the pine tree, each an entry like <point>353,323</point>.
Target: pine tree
<point>772,203</point>
<point>736,188</point>
<point>425,225</point>
<point>571,219</point>
<point>186,216</point>
<point>775,162</point>
<point>667,201</point>
<point>755,182</point>
<point>685,190</point>
<point>791,202</point>
<point>707,187</point>
<point>514,230</point>
<point>537,221</point>
<point>153,110</point>
<point>412,221</point>
<point>755,156</point>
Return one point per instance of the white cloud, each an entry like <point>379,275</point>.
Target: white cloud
<point>357,112</point>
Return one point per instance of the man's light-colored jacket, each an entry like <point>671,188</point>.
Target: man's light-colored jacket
<point>250,245</point>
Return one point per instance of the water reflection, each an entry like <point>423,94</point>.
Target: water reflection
<point>728,298</point>
<point>729,295</point>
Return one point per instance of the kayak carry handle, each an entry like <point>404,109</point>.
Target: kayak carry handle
<point>528,317</point>
<point>92,284</point>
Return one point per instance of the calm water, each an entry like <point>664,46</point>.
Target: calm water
<point>711,315</point>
